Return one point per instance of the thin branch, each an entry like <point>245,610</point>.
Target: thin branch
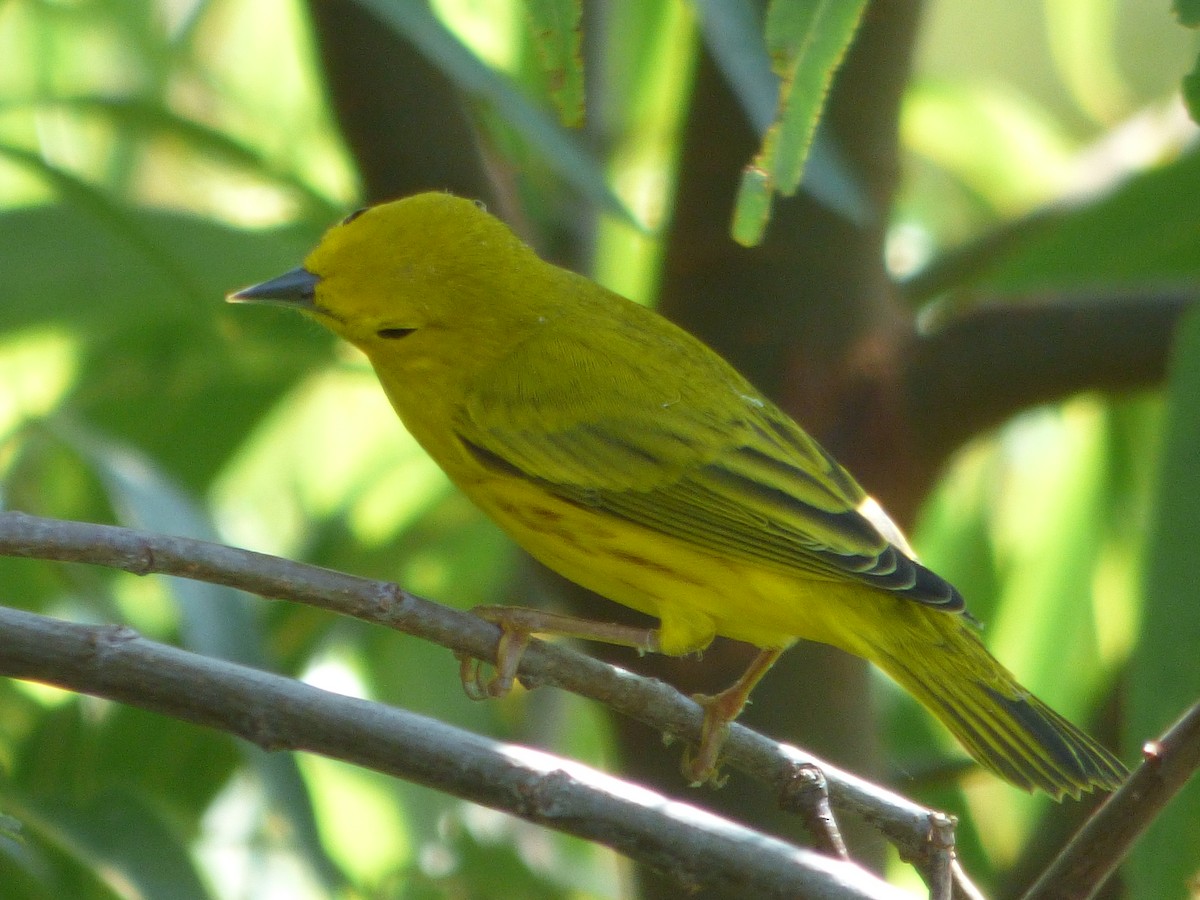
<point>808,794</point>
<point>1104,841</point>
<point>964,888</point>
<point>936,866</point>
<point>906,824</point>
<point>278,713</point>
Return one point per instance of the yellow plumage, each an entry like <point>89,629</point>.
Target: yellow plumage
<point>629,457</point>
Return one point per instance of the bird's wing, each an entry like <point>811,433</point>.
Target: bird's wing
<point>637,425</point>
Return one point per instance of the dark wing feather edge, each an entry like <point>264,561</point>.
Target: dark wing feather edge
<point>731,514</point>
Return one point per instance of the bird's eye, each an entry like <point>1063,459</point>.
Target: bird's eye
<point>354,215</point>
<point>392,334</point>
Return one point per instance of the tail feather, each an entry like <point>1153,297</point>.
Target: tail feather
<point>1001,725</point>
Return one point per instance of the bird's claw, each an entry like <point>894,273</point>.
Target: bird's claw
<point>699,769</point>
<point>470,670</point>
<point>509,651</point>
<point>700,764</point>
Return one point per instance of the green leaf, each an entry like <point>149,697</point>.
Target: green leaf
<point>96,261</point>
<point>121,748</point>
<point>148,118</point>
<point>733,33</point>
<point>558,37</point>
<point>752,208</point>
<point>414,21</point>
<point>806,43</point>
<point>1188,12</point>
<point>1191,92</point>
<point>1144,230</point>
<point>116,216</point>
<point>122,840</point>
<point>1164,679</point>
<point>159,352</point>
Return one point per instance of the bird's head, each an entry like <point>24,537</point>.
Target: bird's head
<point>424,276</point>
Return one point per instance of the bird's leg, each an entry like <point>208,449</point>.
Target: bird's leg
<point>518,624</point>
<point>720,709</point>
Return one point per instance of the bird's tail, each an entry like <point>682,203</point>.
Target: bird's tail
<point>1002,725</point>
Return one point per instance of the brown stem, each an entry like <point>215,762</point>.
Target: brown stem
<point>406,125</point>
<point>1100,846</point>
<point>995,360</point>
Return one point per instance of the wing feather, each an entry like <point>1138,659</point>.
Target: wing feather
<point>729,473</point>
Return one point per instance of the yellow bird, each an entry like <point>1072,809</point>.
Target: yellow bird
<point>626,455</point>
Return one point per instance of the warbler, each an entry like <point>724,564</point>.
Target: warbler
<point>629,457</point>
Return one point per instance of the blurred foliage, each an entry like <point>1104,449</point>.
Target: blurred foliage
<point>154,156</point>
<point>1188,12</point>
<point>1164,672</point>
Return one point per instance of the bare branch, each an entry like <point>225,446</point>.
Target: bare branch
<point>808,794</point>
<point>1104,841</point>
<point>936,866</point>
<point>278,713</point>
<point>964,888</point>
<point>906,824</point>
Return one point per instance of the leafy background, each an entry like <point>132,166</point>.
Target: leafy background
<point>154,156</point>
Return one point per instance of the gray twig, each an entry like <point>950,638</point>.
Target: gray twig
<point>905,823</point>
<point>277,713</point>
<point>807,793</point>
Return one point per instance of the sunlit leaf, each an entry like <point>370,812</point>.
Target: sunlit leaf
<point>646,79</point>
<point>144,118</point>
<point>298,469</point>
<point>1000,144</point>
<point>1083,42</point>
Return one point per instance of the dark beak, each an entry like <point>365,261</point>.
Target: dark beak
<point>294,288</point>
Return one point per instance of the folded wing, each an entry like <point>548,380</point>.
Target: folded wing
<point>724,469</point>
